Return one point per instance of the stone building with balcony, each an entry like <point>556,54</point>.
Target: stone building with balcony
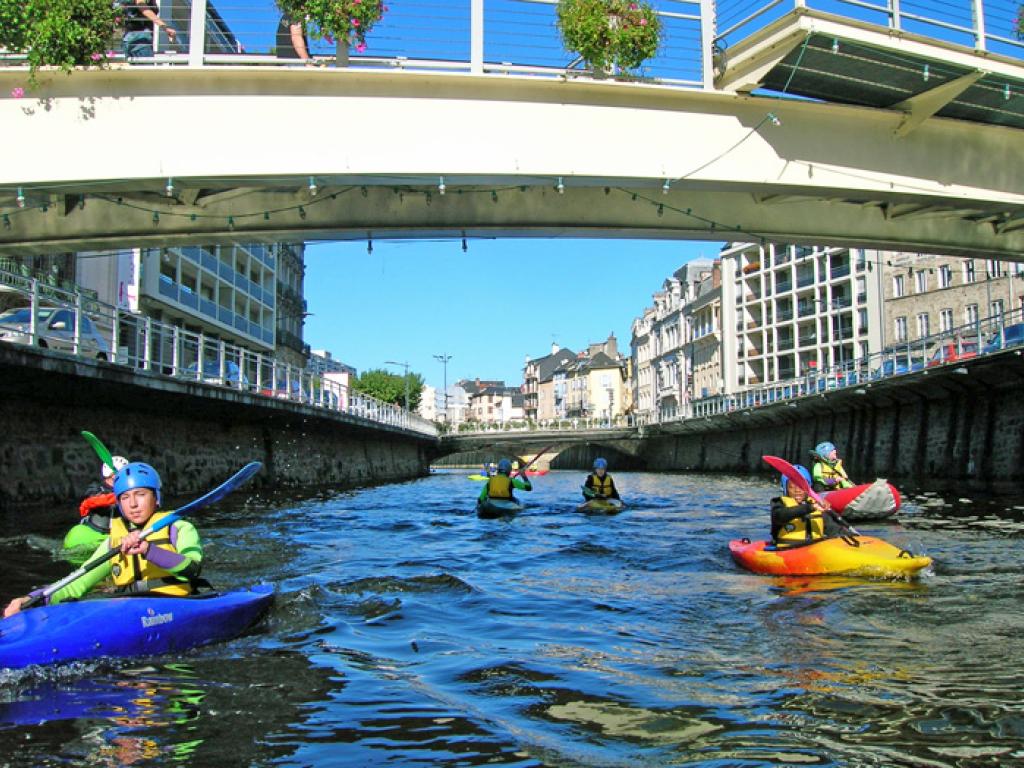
<point>927,295</point>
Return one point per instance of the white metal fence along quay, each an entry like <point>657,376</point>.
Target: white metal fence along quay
<point>51,317</point>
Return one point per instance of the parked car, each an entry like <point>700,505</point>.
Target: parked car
<point>951,351</point>
<point>1010,336</point>
<point>55,328</point>
<point>898,365</point>
<point>212,374</point>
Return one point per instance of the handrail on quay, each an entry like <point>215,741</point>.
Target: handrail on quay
<point>71,322</point>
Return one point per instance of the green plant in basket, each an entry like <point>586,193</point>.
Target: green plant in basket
<point>609,33</point>
<point>332,20</point>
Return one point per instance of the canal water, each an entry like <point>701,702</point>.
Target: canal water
<point>407,632</point>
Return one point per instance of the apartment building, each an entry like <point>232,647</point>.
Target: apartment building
<point>791,310</point>
<point>496,404</point>
<point>541,398</point>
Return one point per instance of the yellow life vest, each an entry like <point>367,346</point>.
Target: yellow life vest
<point>499,487</point>
<point>795,531</point>
<point>835,472</point>
<point>136,573</point>
<point>602,486</point>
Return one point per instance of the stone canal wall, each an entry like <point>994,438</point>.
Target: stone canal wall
<point>196,435</point>
<point>955,426</point>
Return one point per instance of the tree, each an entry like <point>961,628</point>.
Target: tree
<point>390,387</point>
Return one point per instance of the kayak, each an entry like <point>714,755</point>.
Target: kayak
<point>869,501</point>
<point>128,626</point>
<point>536,472</point>
<point>492,508</point>
<point>866,556</point>
<point>80,542</point>
<point>602,506</point>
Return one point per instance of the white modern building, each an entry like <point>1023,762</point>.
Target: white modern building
<point>789,311</point>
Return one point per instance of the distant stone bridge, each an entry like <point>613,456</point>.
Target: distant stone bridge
<point>579,446</point>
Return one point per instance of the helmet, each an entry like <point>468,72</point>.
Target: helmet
<point>600,463</point>
<point>504,466</point>
<point>136,475</point>
<point>803,473</point>
<point>120,462</point>
<point>823,451</point>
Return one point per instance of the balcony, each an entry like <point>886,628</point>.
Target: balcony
<point>784,314</point>
<point>841,270</point>
<point>804,279</point>
<point>781,286</point>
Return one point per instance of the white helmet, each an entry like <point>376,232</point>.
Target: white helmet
<point>120,462</point>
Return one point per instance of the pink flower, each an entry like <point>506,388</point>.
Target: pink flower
<point>384,9</point>
<point>110,54</point>
<point>355,22</point>
<point>356,2</point>
<point>643,22</point>
<point>361,47</point>
<point>17,93</point>
<point>633,6</point>
<point>95,56</point>
<point>329,39</point>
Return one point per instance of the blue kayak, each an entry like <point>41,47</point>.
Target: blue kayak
<point>492,508</point>
<point>128,626</point>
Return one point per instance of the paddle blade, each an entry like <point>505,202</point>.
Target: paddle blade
<point>235,481</point>
<point>100,448</point>
<point>794,476</point>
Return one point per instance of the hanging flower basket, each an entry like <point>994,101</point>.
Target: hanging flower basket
<point>331,20</point>
<point>1018,23</point>
<point>609,33</point>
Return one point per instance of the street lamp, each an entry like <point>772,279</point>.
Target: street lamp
<point>406,366</point>
<point>443,359</point>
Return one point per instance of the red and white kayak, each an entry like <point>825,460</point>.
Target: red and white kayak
<point>870,501</point>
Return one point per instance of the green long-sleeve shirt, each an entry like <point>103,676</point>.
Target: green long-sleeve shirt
<point>521,483</point>
<point>188,545</point>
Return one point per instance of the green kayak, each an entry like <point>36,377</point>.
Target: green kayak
<point>602,506</point>
<point>492,508</point>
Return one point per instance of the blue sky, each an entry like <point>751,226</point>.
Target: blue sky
<point>489,307</point>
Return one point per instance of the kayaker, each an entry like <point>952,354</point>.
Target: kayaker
<point>96,511</point>
<point>599,484</point>
<point>502,484</point>
<point>166,563</point>
<point>797,519</point>
<point>828,472</point>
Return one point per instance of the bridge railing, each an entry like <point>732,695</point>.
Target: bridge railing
<point>68,321</point>
<point>985,25</point>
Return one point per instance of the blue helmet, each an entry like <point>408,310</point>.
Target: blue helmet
<point>823,451</point>
<point>505,466</point>
<point>803,473</point>
<point>136,475</point>
<point>600,463</point>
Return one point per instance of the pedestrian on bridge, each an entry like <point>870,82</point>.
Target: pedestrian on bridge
<point>139,18</point>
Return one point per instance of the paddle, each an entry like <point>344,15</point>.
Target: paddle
<point>794,476</point>
<point>218,493</point>
<point>100,448</point>
<point>522,470</point>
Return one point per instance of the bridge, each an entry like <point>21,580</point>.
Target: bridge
<point>902,140</point>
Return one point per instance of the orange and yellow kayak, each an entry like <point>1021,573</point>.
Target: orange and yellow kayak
<point>855,555</point>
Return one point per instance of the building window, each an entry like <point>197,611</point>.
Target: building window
<point>901,329</point>
<point>993,268</point>
<point>923,326</point>
<point>897,286</point>
<point>945,276</point>
<point>996,309</point>
<point>945,320</point>
<point>921,281</point>
<point>971,314</point>
<point>969,271</point>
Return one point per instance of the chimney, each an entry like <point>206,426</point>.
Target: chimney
<point>554,347</point>
<point>716,274</point>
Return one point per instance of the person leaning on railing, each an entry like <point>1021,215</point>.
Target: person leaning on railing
<point>139,18</point>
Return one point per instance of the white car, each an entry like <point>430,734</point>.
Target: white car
<point>55,328</point>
